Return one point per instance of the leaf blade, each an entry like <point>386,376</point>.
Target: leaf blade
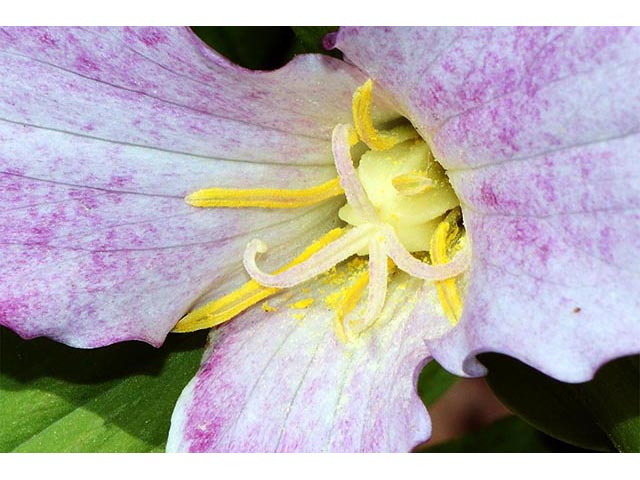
<point>603,414</point>
<point>114,399</point>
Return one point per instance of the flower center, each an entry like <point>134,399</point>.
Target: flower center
<point>408,191</point>
<point>398,203</point>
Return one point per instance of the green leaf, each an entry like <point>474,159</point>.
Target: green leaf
<point>613,398</point>
<point>256,48</point>
<point>309,40</point>
<point>601,415</point>
<point>433,382</point>
<point>114,399</point>
<point>265,48</point>
<point>503,436</point>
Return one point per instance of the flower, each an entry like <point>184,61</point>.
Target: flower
<point>537,130</point>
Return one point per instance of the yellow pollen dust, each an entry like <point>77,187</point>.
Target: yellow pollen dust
<point>408,191</point>
<point>302,304</point>
<point>268,308</point>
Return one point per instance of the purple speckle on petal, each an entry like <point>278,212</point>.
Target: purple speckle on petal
<point>488,195</point>
<point>152,37</point>
<point>85,65</point>
<point>48,40</point>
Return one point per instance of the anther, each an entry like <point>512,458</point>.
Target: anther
<point>264,197</point>
<point>444,240</point>
<point>361,107</point>
<point>412,183</point>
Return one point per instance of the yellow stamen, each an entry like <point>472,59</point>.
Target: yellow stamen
<point>264,197</point>
<point>350,299</point>
<point>225,308</point>
<point>412,183</point>
<point>441,243</point>
<point>375,140</point>
<point>352,296</point>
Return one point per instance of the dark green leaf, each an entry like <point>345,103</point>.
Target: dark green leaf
<point>119,398</point>
<point>265,48</point>
<point>309,40</point>
<point>433,382</point>
<point>613,398</point>
<point>257,48</point>
<point>599,415</point>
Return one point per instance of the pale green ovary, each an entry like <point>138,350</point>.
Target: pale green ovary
<point>413,217</point>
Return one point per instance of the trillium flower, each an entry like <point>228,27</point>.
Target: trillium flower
<point>443,193</point>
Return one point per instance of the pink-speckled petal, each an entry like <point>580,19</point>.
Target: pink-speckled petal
<point>485,95</point>
<point>540,132</point>
<point>282,381</point>
<point>103,131</point>
<point>555,274</point>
